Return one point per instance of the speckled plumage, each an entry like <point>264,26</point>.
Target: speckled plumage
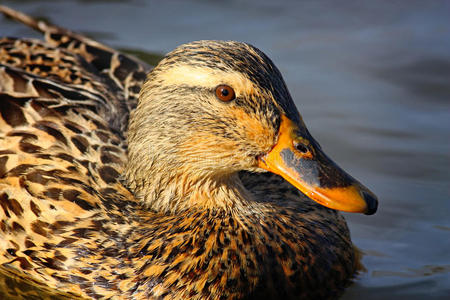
<point>168,228</point>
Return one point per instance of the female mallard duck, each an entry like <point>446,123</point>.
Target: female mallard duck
<point>194,216</point>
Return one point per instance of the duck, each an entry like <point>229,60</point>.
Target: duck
<point>192,179</point>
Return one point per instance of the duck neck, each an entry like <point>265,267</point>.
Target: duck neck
<point>174,192</point>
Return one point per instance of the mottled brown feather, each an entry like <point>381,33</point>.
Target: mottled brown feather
<point>70,227</point>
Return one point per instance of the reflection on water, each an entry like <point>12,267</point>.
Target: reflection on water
<point>371,80</point>
<point>427,77</point>
<point>411,273</point>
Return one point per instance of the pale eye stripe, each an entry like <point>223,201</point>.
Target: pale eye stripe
<point>207,78</point>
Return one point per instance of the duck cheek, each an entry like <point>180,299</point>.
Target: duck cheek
<point>209,152</point>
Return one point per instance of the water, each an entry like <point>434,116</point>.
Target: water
<point>372,80</point>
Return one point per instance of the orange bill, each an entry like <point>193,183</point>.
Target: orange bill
<point>298,158</point>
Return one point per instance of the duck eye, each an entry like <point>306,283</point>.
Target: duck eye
<point>225,93</point>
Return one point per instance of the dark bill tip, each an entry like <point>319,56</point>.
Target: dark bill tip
<point>372,203</point>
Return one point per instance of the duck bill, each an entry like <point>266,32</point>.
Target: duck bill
<point>298,158</point>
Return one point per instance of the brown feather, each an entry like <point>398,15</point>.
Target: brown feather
<point>181,222</point>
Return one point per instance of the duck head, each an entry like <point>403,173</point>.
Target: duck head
<point>211,109</point>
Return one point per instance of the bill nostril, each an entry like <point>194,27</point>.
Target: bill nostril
<point>300,147</point>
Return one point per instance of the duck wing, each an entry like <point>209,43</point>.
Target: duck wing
<point>120,75</point>
<point>64,104</point>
